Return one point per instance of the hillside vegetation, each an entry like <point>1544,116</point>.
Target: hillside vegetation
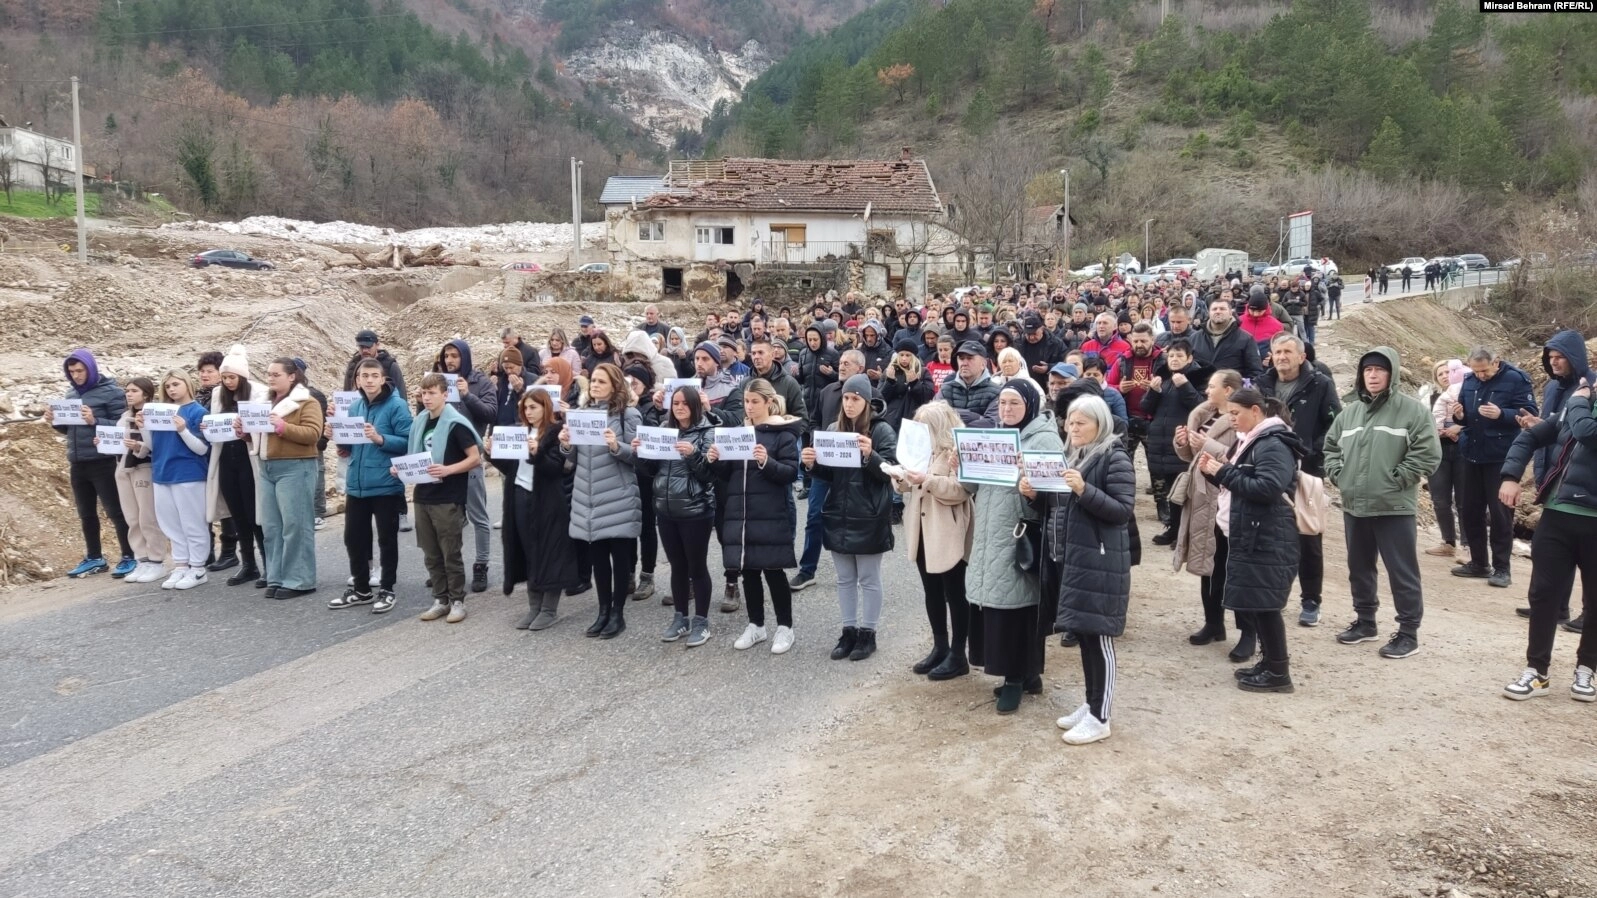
<point>1402,124</point>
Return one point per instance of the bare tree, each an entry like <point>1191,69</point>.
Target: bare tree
<point>51,172</point>
<point>8,173</point>
<point>987,184</point>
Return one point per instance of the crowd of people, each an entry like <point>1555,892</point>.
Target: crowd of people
<point>1215,382</point>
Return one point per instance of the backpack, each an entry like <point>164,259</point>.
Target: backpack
<point>1310,504</point>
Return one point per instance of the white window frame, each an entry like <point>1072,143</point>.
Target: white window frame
<point>709,235</point>
<point>651,231</point>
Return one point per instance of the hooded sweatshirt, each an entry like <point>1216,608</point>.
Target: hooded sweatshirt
<point>641,345</point>
<point>105,400</point>
<point>1558,389</point>
<point>810,363</point>
<point>1381,447</point>
<point>479,397</point>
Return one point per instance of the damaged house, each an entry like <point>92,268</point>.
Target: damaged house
<point>780,229</point>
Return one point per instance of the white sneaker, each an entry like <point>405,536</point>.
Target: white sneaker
<point>1070,720</point>
<point>752,636</point>
<point>376,579</point>
<point>155,574</point>
<point>1581,690</point>
<point>404,524</point>
<point>177,575</point>
<point>192,577</point>
<point>139,573</point>
<point>783,641</point>
<point>1089,730</point>
<point>1529,685</point>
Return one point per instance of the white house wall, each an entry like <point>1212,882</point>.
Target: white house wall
<point>26,149</point>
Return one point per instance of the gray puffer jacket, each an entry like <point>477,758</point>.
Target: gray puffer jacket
<point>604,490</point>
<point>107,401</point>
<point>993,580</point>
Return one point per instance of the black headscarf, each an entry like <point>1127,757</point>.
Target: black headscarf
<point>1026,389</point>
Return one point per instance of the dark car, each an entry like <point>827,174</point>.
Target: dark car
<point>230,258</point>
<point>1474,261</point>
<point>1256,268</point>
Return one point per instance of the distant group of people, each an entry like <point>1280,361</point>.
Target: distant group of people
<point>1237,422</point>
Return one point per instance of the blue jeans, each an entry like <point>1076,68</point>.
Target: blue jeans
<point>287,497</point>
<point>812,527</point>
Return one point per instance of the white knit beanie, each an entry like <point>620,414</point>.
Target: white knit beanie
<point>237,361</point>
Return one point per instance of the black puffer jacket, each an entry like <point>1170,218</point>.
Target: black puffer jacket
<point>904,397</point>
<point>684,488</point>
<point>1088,536</point>
<point>1263,541</point>
<point>1572,437</point>
<point>1168,408</point>
<point>810,362</point>
<point>857,518</point>
<point>755,532</point>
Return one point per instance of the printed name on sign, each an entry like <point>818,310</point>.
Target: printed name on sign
<point>159,416</point>
<point>349,431</point>
<point>735,443</point>
<point>554,393</point>
<point>508,443</point>
<point>837,450</point>
<point>588,427</point>
<point>454,387</point>
<point>343,401</point>
<point>412,469</point>
<point>112,440</point>
<point>67,412</point>
<point>658,443</point>
<point>257,416</point>
<point>219,428</point>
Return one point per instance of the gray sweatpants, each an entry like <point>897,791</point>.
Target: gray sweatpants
<point>477,511</point>
<point>859,577</point>
<point>1395,539</point>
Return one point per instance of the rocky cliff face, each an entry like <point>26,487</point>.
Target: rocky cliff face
<point>666,81</point>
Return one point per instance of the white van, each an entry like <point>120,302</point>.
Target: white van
<point>1212,262</point>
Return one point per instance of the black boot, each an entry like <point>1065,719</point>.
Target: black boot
<point>1033,686</point>
<point>1248,671</point>
<point>599,623</point>
<point>864,644</point>
<point>1209,633</point>
<point>1276,676</point>
<point>845,644</point>
<point>1247,646</point>
<point>479,577</point>
<point>952,666</point>
<point>247,572</point>
<point>617,624</point>
<point>1009,697</point>
<point>228,559</point>
<point>925,665</point>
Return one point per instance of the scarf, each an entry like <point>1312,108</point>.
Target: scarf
<point>447,420</point>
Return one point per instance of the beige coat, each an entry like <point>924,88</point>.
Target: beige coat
<point>1195,543</point>
<point>939,511</point>
<point>215,505</point>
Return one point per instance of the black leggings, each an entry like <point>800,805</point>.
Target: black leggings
<point>687,547</point>
<point>1272,633</point>
<point>358,514</point>
<point>96,480</point>
<point>1212,589</point>
<point>649,539</point>
<point>235,480</point>
<point>1098,672</point>
<point>946,607</point>
<point>781,597</point>
<point>612,565</point>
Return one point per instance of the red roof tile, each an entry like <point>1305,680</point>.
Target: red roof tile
<point>786,185</point>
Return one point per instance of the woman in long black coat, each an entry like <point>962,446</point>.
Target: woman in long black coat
<point>1177,389</point>
<point>1087,536</point>
<point>536,537</point>
<point>1260,527</point>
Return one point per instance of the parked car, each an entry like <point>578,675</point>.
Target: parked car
<point>229,258</point>
<point>1258,268</point>
<point>595,268</point>
<point>1475,260</point>
<point>1415,264</point>
<point>1174,266</point>
<point>1297,266</point>
<point>1089,271</point>
<point>521,266</point>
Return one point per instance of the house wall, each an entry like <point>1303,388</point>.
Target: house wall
<point>26,149</point>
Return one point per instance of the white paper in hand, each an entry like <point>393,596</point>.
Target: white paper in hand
<point>837,450</point>
<point>158,416</point>
<point>735,443</point>
<point>588,426</point>
<point>412,469</point>
<point>67,412</point>
<point>112,440</point>
<point>454,387</point>
<point>349,431</point>
<point>218,428</point>
<point>343,401</point>
<point>257,416</point>
<point>658,443</point>
<point>914,446</point>
<point>508,443</point>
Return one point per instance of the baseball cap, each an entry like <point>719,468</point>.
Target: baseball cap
<point>366,338</point>
<point>1065,369</point>
<point>586,319</point>
<point>1032,322</point>
<point>971,347</point>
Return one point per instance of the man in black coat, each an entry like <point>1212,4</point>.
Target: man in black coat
<point>1310,398</point>
<point>367,346</point>
<point>1040,349</point>
<point>1221,343</point>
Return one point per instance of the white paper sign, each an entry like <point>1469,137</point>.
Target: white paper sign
<point>349,431</point>
<point>914,446</point>
<point>343,400</point>
<point>67,412</point>
<point>112,440</point>
<point>554,393</point>
<point>837,450</point>
<point>658,443</point>
<point>454,387</point>
<point>257,416</point>
<point>671,384</point>
<point>1045,471</point>
<point>508,442</point>
<point>218,428</point>
<point>413,468</point>
<point>159,415</point>
<point>588,426</point>
<point>735,443</point>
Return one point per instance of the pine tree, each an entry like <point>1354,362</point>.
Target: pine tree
<point>981,116</point>
<point>1386,158</point>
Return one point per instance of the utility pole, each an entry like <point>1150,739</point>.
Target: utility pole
<point>576,213</point>
<point>77,156</point>
<point>1145,250</point>
<point>1065,173</point>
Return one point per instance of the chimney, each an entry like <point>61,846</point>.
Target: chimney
<point>906,154</point>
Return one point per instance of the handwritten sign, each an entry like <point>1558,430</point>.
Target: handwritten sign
<point>67,412</point>
<point>1046,471</point>
<point>454,387</point>
<point>112,440</point>
<point>343,401</point>
<point>218,428</point>
<point>735,443</point>
<point>158,416</point>
<point>508,442</point>
<point>588,426</point>
<point>837,450</point>
<point>349,431</point>
<point>413,468</point>
<point>990,456</point>
<point>915,446</point>
<point>658,443</point>
<point>257,416</point>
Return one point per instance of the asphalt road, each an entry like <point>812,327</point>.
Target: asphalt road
<point>215,742</point>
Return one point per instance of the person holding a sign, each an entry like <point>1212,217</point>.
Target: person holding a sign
<point>287,485</point>
<point>938,529</point>
<point>1085,534</point>
<point>476,405</point>
<point>235,464</point>
<point>756,529</point>
<point>92,398</point>
<point>178,463</point>
<point>137,491</point>
<point>857,518</point>
<point>442,432</point>
<point>606,511</point>
<point>684,507</point>
<point>1005,636</point>
<point>372,493</point>
<point>538,548</point>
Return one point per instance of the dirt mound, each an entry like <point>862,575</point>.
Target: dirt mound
<point>39,535</point>
<point>1419,328</point>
